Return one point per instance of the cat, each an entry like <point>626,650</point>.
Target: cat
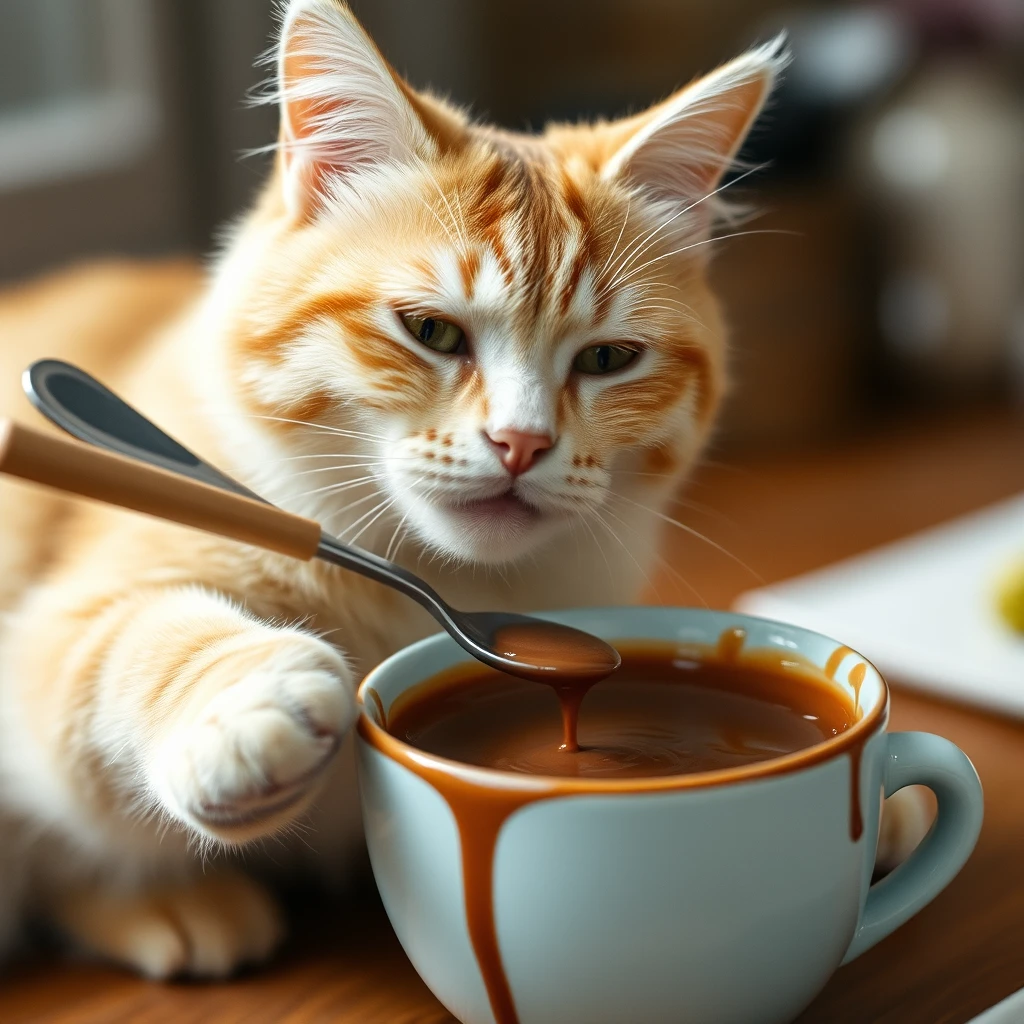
<point>476,352</point>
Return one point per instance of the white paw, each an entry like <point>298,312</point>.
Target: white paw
<point>205,928</point>
<point>249,761</point>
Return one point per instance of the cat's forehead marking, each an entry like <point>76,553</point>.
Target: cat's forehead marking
<point>469,266</point>
<point>526,211</point>
<point>529,250</point>
<point>490,283</point>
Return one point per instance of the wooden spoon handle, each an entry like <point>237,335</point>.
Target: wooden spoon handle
<point>90,473</point>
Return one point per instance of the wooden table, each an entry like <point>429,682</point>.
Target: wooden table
<point>780,517</point>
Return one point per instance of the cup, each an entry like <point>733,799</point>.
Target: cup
<point>726,896</point>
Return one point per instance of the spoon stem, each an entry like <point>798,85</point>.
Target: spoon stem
<point>102,476</point>
<point>366,563</point>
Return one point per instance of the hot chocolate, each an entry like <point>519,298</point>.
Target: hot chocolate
<point>656,716</point>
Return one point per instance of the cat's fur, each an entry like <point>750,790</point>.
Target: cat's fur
<point>166,696</point>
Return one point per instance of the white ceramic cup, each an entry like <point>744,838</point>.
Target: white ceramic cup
<point>724,897</point>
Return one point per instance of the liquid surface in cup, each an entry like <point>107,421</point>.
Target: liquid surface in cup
<point>657,716</point>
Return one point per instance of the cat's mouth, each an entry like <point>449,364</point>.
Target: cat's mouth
<point>506,507</point>
<point>496,525</point>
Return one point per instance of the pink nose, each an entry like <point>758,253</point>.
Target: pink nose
<point>519,451</point>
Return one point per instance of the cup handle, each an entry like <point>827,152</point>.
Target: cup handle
<point>921,759</point>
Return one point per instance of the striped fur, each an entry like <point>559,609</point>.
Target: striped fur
<point>166,697</point>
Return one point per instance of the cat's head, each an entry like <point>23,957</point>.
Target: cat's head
<point>488,337</point>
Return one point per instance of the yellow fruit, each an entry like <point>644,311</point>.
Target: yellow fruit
<point>1010,596</point>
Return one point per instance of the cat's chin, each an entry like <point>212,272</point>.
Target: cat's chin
<point>490,531</point>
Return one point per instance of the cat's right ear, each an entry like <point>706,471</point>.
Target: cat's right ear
<point>342,105</point>
<point>679,150</point>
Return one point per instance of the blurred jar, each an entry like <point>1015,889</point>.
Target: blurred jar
<point>794,303</point>
<point>798,302</point>
<point>941,169</point>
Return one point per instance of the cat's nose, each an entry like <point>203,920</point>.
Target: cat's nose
<point>519,451</point>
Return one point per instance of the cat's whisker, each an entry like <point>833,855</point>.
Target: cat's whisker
<point>394,536</point>
<point>677,303</point>
<point>325,633</point>
<point>631,255</point>
<point>706,510</point>
<point>401,524</point>
<point>656,283</point>
<point>382,507</point>
<point>399,529</point>
<point>462,216</point>
<point>337,455</point>
<point>401,540</point>
<point>326,428</point>
<point>685,311</point>
<point>643,572</point>
<point>293,830</point>
<point>338,469</point>
<point>234,414</point>
<point>352,435</point>
<point>464,241</point>
<point>117,754</point>
<point>387,508</point>
<point>614,248</point>
<point>370,460</point>
<point>677,499</point>
<point>342,485</point>
<point>432,178</point>
<point>662,560</point>
<point>637,472</point>
<point>690,530</point>
<point>444,227</point>
<point>652,307</point>
<point>696,245</point>
<point>600,547</point>
<point>500,570</point>
<point>332,516</point>
<point>649,241</point>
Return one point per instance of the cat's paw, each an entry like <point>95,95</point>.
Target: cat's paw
<point>206,928</point>
<point>249,760</point>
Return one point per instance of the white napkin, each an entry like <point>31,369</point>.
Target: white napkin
<point>921,609</point>
<point>1009,1011</point>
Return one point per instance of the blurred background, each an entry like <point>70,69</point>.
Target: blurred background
<point>894,151</point>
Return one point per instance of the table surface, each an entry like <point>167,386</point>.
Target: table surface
<point>777,517</point>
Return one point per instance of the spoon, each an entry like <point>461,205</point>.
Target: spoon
<point>130,462</point>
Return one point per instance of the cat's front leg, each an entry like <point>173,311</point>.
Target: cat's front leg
<point>138,723</point>
<point>210,716</point>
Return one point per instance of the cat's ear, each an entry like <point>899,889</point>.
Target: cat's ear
<point>342,105</point>
<point>679,149</point>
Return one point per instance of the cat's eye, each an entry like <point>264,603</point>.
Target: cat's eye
<point>440,335</point>
<point>604,358</point>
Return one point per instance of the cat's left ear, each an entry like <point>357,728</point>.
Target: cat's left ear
<point>679,149</point>
<point>343,107</point>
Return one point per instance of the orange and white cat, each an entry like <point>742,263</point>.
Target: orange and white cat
<point>472,351</point>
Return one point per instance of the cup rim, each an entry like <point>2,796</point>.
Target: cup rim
<point>412,757</point>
